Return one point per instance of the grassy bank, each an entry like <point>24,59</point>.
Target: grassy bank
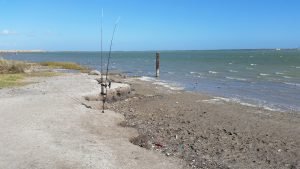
<point>65,65</point>
<point>14,73</point>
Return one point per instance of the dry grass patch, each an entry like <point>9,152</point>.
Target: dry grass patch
<point>14,80</point>
<point>43,74</point>
<point>65,65</point>
<point>11,80</point>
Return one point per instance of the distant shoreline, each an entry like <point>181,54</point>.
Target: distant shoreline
<point>21,51</point>
<point>162,50</point>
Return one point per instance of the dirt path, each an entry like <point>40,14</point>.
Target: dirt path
<point>43,125</point>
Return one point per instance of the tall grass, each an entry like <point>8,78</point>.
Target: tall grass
<point>8,66</point>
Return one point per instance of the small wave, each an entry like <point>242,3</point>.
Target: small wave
<point>193,72</point>
<point>171,73</point>
<point>249,68</point>
<point>292,84</point>
<point>263,74</point>
<point>247,104</point>
<point>147,79</point>
<point>235,78</point>
<point>253,64</point>
<point>168,85</point>
<point>213,101</point>
<point>297,67</point>
<point>279,73</point>
<point>235,100</point>
<point>251,56</point>
<point>233,71</point>
<point>224,99</point>
<point>161,83</point>
<point>271,108</point>
<point>230,63</point>
<point>287,77</point>
<point>212,72</point>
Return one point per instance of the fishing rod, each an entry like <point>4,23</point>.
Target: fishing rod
<point>108,83</point>
<point>110,48</point>
<point>102,87</point>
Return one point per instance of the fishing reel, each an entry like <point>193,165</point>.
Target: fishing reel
<point>104,92</point>
<point>105,85</point>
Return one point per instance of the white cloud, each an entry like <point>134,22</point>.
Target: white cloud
<point>7,32</point>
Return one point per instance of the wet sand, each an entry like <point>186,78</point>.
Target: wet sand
<point>209,132</point>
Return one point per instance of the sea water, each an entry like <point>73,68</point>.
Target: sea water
<point>265,78</point>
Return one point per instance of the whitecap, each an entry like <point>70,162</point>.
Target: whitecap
<point>230,63</point>
<point>297,67</point>
<point>253,64</point>
<point>235,78</point>
<point>233,71</point>
<point>279,73</point>
<point>263,74</point>
<point>293,84</point>
<point>212,72</point>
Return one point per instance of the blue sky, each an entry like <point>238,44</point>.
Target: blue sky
<point>150,25</point>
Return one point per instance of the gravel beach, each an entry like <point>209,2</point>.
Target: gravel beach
<point>210,132</point>
<point>51,124</point>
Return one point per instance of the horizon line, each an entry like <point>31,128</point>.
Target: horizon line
<point>162,50</point>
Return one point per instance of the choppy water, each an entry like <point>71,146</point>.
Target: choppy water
<point>266,78</point>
